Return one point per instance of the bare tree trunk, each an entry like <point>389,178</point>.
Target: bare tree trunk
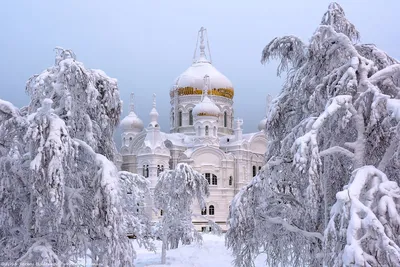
<point>164,249</point>
<point>326,208</point>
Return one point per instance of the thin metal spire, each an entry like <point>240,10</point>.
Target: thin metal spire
<point>206,80</point>
<point>132,102</point>
<point>202,34</point>
<point>202,46</point>
<point>154,100</point>
<point>208,46</point>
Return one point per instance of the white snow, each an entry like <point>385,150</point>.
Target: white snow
<point>212,253</point>
<point>193,77</point>
<point>132,123</point>
<point>393,107</point>
<point>206,106</point>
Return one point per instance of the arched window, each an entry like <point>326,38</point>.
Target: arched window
<point>180,118</point>
<point>207,130</point>
<point>230,180</point>
<point>161,213</point>
<point>173,119</point>
<point>211,210</point>
<point>225,119</point>
<point>162,168</point>
<point>214,180</point>
<point>211,178</point>
<point>254,171</point>
<point>215,131</point>
<point>259,168</point>
<point>204,211</point>
<point>144,171</point>
<point>208,176</point>
<point>190,117</point>
<point>147,171</point>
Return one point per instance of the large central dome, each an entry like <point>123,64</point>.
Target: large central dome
<point>190,82</point>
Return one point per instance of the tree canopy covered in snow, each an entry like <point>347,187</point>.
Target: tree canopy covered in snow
<point>329,190</point>
<point>174,194</point>
<point>61,194</point>
<point>86,99</point>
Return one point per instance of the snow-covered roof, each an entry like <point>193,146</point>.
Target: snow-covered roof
<point>132,123</point>
<point>223,140</point>
<point>193,76</point>
<point>206,108</point>
<point>249,136</point>
<point>179,139</point>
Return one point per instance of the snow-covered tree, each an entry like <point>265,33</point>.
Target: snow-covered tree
<point>14,196</point>
<point>86,99</point>
<point>135,190</point>
<point>363,230</point>
<point>336,113</point>
<point>70,201</point>
<point>174,194</point>
<point>61,195</point>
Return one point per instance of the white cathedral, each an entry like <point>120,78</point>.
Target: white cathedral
<point>203,133</point>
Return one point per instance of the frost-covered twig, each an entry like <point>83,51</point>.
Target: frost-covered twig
<point>292,228</point>
<point>337,149</point>
<point>384,73</point>
<point>289,49</point>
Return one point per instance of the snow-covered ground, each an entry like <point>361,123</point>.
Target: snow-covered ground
<point>209,254</point>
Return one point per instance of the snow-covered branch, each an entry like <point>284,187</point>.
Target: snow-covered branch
<point>292,228</point>
<point>366,211</point>
<point>337,149</point>
<point>308,142</point>
<point>289,49</point>
<point>335,17</point>
<point>385,73</point>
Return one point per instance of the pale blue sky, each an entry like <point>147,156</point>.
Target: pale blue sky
<point>146,44</point>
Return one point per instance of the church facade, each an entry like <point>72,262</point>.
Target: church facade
<point>203,133</point>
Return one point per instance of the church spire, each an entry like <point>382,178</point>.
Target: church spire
<point>206,80</point>
<point>153,112</point>
<point>202,46</point>
<point>154,100</point>
<point>132,103</point>
<point>202,34</point>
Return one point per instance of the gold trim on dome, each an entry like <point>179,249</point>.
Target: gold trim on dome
<point>225,92</point>
<point>206,114</point>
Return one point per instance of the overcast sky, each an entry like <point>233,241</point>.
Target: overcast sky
<point>146,44</point>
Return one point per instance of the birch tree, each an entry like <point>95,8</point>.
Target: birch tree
<point>61,194</point>
<point>86,99</point>
<point>335,114</point>
<point>174,194</point>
